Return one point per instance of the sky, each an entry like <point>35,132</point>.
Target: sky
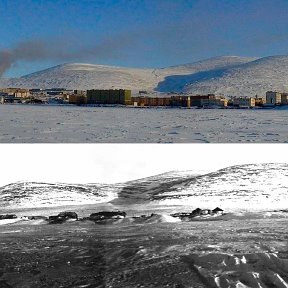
<point>115,163</point>
<point>37,34</point>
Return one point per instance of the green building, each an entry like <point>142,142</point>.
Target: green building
<point>117,96</point>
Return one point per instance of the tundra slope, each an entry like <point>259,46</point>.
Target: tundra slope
<point>36,194</point>
<point>245,187</point>
<point>250,187</point>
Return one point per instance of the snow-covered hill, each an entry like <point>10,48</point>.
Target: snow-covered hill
<point>228,75</point>
<point>254,186</point>
<point>248,79</point>
<point>176,78</point>
<point>34,194</point>
<point>89,76</point>
<point>244,187</point>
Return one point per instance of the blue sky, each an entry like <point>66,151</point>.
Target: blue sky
<point>37,34</point>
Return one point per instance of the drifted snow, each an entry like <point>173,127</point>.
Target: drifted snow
<point>258,271</point>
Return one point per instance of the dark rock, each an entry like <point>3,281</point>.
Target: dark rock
<point>37,217</point>
<point>56,219</point>
<point>62,217</point>
<point>104,215</point>
<point>8,216</point>
<point>181,215</point>
<point>68,215</point>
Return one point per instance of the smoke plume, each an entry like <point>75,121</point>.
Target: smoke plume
<point>63,50</point>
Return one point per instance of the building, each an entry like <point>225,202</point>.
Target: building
<point>202,100</point>
<point>219,102</point>
<point>244,102</point>
<point>77,99</point>
<point>260,101</point>
<point>16,92</point>
<point>120,96</point>
<point>284,98</point>
<point>181,101</point>
<point>151,101</point>
<point>273,98</point>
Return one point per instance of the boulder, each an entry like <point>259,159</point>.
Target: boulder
<point>68,215</point>
<point>56,219</point>
<point>37,217</point>
<point>62,217</point>
<point>8,216</point>
<point>104,215</point>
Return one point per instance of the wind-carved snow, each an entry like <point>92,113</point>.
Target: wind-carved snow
<point>259,269</point>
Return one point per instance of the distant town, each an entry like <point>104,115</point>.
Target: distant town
<point>137,99</point>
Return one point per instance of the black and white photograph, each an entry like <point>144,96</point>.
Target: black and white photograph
<point>144,216</point>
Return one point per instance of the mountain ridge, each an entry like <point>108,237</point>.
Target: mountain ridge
<point>249,186</point>
<point>194,78</point>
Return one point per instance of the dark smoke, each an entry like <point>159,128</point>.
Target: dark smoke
<point>6,60</point>
<point>63,50</point>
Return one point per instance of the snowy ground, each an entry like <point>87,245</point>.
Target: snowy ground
<point>233,251</point>
<point>72,124</point>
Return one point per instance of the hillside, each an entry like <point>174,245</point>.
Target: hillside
<point>177,78</point>
<point>248,79</point>
<point>88,76</point>
<point>255,186</point>
<point>247,187</point>
<point>34,194</point>
<point>228,75</point>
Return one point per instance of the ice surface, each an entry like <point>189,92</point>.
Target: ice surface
<point>72,124</point>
